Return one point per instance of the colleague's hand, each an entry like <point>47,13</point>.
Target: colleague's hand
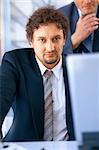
<point>84,27</point>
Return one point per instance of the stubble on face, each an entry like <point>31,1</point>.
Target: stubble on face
<point>51,57</point>
<point>48,43</point>
<point>87,7</point>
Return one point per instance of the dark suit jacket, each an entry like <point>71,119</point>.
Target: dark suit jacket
<point>70,11</point>
<point>22,88</point>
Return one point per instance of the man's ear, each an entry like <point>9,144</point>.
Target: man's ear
<point>31,44</point>
<point>64,42</point>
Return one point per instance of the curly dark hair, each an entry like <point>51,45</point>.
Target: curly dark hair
<point>43,16</point>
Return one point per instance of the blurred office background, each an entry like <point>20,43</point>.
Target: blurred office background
<point>13,18</point>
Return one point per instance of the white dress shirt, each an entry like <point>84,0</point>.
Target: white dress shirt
<point>59,99</point>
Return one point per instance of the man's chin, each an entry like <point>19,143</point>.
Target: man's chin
<point>88,11</point>
<point>50,62</point>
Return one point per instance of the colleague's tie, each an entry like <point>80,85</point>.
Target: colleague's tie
<point>88,42</point>
<point>48,121</point>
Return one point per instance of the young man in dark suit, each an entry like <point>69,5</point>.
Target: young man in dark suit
<point>22,84</point>
<point>83,35</point>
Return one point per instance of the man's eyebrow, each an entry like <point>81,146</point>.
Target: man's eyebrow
<point>40,37</point>
<point>57,36</point>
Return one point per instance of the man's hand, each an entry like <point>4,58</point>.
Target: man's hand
<point>84,27</point>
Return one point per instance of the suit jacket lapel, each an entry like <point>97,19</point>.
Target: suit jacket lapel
<point>36,98</point>
<point>73,17</point>
<point>69,118</point>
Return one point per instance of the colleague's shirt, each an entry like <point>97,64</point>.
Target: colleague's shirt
<point>59,99</point>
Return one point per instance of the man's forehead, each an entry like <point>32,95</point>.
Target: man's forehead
<point>47,30</point>
<point>46,25</point>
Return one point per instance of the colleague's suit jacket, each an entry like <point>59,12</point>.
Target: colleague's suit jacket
<point>70,11</point>
<point>22,88</point>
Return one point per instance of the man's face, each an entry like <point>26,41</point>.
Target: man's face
<point>48,41</point>
<point>87,6</point>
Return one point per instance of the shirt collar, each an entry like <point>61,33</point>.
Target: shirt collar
<point>79,12</point>
<point>41,66</point>
<point>56,70</point>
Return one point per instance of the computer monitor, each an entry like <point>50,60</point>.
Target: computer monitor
<point>83,76</point>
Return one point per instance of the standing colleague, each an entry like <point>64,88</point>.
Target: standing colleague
<point>83,35</point>
<point>40,113</point>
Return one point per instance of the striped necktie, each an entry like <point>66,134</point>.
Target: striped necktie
<point>48,120</point>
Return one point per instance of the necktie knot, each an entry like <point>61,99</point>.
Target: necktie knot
<point>48,73</point>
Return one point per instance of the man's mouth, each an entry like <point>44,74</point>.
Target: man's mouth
<point>49,54</point>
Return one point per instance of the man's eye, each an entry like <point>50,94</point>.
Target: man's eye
<point>56,39</point>
<point>43,40</point>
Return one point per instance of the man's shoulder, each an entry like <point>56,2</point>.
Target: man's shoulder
<point>21,54</point>
<point>19,51</point>
<point>67,9</point>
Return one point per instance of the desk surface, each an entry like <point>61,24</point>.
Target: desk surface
<point>70,145</point>
<point>51,145</point>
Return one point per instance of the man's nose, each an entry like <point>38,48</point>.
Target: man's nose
<point>88,1</point>
<point>49,46</point>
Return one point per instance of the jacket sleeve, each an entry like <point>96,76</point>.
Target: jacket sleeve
<point>68,49</point>
<point>66,10</point>
<point>8,84</point>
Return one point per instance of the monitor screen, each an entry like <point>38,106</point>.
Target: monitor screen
<point>83,75</point>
